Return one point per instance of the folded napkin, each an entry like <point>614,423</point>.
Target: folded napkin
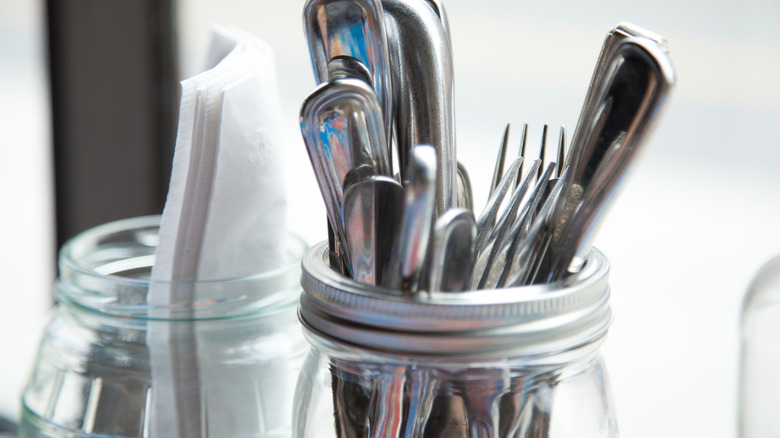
<point>225,217</point>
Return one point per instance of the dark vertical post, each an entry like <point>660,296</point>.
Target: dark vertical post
<point>114,101</point>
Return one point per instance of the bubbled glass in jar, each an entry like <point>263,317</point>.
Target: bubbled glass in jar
<point>234,357</point>
<point>515,362</point>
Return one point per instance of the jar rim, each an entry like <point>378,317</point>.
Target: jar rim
<point>534,319</point>
<point>92,276</point>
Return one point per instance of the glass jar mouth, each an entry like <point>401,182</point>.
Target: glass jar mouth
<point>537,319</point>
<point>107,270</point>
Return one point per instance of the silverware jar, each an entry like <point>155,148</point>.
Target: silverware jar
<point>232,361</point>
<point>516,362</point>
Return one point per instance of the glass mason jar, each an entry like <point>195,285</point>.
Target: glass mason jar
<point>516,362</point>
<point>235,357</point>
<point>759,384</point>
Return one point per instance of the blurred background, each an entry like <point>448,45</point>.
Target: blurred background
<point>89,92</point>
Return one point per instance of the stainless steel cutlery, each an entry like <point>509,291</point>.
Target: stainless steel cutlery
<point>386,84</point>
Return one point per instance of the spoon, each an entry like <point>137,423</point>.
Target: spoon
<point>355,29</point>
<point>417,219</point>
<point>464,194</point>
<point>452,252</point>
<point>342,129</point>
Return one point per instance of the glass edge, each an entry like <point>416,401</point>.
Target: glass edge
<point>67,261</point>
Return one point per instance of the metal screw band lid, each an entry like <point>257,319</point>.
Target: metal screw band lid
<point>539,319</point>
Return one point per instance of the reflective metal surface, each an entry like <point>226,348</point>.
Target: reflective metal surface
<point>629,92</point>
<point>342,128</point>
<point>355,29</point>
<point>423,87</point>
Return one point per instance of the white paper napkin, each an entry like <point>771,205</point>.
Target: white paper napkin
<point>225,217</point>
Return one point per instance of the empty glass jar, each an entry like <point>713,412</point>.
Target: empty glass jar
<point>760,362</point>
<point>517,362</point>
<point>234,358</point>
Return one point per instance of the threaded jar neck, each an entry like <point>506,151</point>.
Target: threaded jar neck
<point>530,320</point>
<point>107,270</point>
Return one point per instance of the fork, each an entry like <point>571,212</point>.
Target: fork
<point>500,232</point>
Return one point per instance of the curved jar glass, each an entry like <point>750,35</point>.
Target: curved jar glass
<point>759,384</point>
<point>236,356</point>
<point>517,362</point>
